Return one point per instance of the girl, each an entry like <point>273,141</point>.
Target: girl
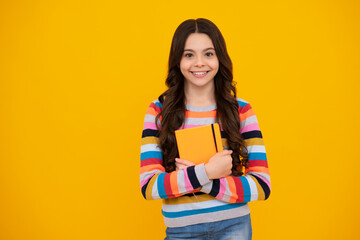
<point>205,201</point>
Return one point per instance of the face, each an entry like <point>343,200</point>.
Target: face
<point>199,63</point>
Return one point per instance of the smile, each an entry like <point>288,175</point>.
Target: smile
<point>199,74</point>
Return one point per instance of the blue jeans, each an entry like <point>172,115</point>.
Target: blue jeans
<point>231,229</point>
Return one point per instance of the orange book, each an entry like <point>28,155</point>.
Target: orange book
<point>199,144</point>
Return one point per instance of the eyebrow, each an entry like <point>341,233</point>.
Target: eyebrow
<point>206,49</point>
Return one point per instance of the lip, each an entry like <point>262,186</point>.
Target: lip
<point>197,75</point>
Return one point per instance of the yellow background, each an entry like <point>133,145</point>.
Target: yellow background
<point>77,76</point>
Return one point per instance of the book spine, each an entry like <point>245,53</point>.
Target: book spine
<point>213,132</point>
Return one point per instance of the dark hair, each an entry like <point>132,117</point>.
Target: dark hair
<point>172,115</point>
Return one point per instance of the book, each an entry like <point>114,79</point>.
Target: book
<point>199,144</point>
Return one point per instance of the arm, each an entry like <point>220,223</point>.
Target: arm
<point>255,184</point>
<point>154,181</point>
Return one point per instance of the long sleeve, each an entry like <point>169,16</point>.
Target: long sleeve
<point>154,181</point>
<point>255,184</point>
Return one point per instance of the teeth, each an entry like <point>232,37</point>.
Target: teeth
<point>199,73</point>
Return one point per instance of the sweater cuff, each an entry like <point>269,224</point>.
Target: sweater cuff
<point>206,188</point>
<point>201,174</point>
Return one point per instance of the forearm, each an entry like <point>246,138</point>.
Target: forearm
<point>254,185</point>
<point>251,187</point>
<point>158,184</point>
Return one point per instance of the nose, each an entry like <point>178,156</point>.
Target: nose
<point>199,62</point>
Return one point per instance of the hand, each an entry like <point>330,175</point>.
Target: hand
<point>219,165</point>
<point>182,163</point>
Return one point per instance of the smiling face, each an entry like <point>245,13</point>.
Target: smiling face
<point>199,63</point>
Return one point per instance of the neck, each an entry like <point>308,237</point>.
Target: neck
<point>200,96</point>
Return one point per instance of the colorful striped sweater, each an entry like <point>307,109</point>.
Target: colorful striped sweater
<point>218,199</point>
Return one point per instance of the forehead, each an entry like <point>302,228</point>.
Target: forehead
<point>198,41</point>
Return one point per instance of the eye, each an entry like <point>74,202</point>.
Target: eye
<point>188,55</point>
<point>209,54</point>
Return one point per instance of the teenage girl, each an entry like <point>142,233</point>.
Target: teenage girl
<point>205,201</point>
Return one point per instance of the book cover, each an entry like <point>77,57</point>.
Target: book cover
<point>199,144</point>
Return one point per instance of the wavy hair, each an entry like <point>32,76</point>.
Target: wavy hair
<point>172,115</point>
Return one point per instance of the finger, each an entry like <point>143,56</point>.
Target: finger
<point>177,164</point>
<point>184,161</point>
<point>180,166</point>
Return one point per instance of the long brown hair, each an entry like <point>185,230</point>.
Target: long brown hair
<point>172,115</point>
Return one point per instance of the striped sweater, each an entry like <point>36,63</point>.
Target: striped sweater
<point>218,199</point>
